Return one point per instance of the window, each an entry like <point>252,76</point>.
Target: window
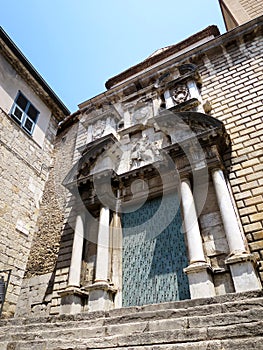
<point>24,113</point>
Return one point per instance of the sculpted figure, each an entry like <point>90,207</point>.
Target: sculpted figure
<point>141,114</point>
<point>143,151</point>
<point>98,129</point>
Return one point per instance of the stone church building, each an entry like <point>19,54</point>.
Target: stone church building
<point>137,221</point>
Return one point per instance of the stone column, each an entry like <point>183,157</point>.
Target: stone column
<point>76,256</point>
<point>198,271</point>
<point>240,261</point>
<point>195,93</point>
<point>116,243</point>
<point>100,293</point>
<point>102,261</point>
<point>71,297</point>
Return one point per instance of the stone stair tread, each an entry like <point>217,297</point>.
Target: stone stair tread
<point>141,337</point>
<point>228,301</point>
<point>109,317</point>
<point>239,343</point>
<point>152,323</point>
<point>224,321</point>
<point>141,325</point>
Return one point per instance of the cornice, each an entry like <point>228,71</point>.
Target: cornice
<point>25,69</point>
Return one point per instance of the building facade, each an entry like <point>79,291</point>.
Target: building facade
<point>150,192</point>
<point>237,12</point>
<point>29,117</point>
<point>161,182</point>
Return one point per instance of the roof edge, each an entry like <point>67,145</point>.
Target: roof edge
<point>210,30</point>
<point>17,52</point>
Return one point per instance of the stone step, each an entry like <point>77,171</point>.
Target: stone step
<point>247,339</point>
<point>228,313</point>
<point>190,324</point>
<point>164,319</point>
<point>221,320</point>
<point>183,307</point>
<point>130,315</point>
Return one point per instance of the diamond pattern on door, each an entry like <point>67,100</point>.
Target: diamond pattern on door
<point>154,254</point>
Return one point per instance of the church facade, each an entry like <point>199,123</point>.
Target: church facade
<point>154,187</point>
<point>161,176</point>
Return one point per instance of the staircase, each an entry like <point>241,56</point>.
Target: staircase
<point>233,321</point>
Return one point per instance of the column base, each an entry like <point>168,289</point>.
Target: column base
<point>100,296</point>
<point>72,300</point>
<point>242,267</point>
<point>200,280</point>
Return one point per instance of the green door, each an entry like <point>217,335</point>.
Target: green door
<point>154,253</point>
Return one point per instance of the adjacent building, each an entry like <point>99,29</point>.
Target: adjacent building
<point>237,12</point>
<point>29,116</point>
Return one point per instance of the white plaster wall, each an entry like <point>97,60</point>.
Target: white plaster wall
<point>10,83</point>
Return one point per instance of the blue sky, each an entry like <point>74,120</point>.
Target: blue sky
<point>76,45</point>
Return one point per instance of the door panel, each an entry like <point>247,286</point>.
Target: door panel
<point>154,254</point>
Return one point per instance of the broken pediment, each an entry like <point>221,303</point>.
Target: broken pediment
<point>97,156</point>
<point>183,126</point>
<point>147,146</point>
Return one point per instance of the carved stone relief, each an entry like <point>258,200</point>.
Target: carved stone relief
<point>138,112</point>
<point>98,129</point>
<point>180,93</point>
<point>142,113</point>
<point>103,127</point>
<point>144,151</point>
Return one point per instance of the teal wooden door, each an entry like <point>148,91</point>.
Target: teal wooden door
<point>154,254</point>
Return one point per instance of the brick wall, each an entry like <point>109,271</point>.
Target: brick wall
<point>253,8</point>
<point>232,82</point>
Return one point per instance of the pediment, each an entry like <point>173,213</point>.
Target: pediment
<point>139,147</point>
<point>183,126</point>
<point>94,159</point>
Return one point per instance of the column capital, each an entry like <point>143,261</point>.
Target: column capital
<point>239,257</point>
<point>217,167</point>
<point>185,178</point>
<point>100,285</point>
<point>197,267</point>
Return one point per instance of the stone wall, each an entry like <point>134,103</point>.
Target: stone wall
<point>232,82</point>
<point>69,143</point>
<point>24,169</point>
<point>40,271</point>
<point>35,296</point>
